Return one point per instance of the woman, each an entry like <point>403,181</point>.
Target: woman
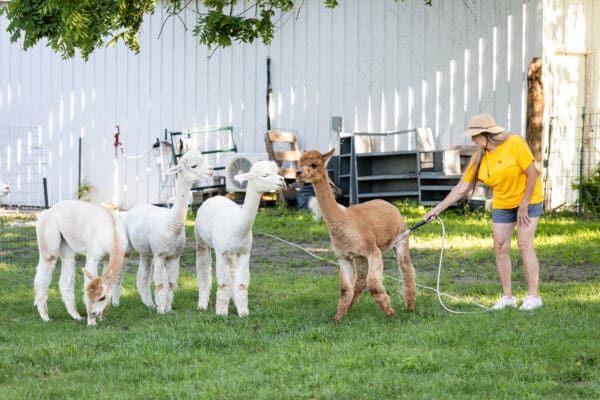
<point>506,164</point>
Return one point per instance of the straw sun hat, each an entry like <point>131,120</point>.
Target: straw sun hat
<point>482,123</point>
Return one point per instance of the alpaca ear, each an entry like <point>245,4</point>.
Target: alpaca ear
<point>173,170</point>
<point>328,154</point>
<point>106,276</point>
<point>88,273</point>
<point>243,177</point>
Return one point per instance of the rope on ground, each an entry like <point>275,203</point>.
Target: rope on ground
<point>439,272</point>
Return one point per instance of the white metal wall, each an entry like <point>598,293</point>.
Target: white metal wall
<point>379,64</point>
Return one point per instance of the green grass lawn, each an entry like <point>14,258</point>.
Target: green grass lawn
<point>289,348</point>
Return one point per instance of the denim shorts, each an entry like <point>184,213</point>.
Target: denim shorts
<point>509,215</point>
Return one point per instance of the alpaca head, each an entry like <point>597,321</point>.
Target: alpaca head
<point>4,189</point>
<point>191,167</point>
<point>264,176</point>
<point>96,295</point>
<point>313,165</point>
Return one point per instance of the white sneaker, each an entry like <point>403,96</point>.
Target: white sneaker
<point>531,303</point>
<point>505,301</point>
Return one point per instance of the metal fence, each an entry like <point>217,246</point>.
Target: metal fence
<point>572,167</point>
<point>22,165</point>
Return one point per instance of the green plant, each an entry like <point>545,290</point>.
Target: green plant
<point>590,192</point>
<point>84,190</point>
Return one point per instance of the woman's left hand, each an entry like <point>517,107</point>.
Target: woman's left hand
<point>523,216</point>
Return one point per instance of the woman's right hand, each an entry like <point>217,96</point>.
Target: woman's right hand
<point>431,215</point>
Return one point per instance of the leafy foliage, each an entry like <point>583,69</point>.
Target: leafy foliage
<point>85,25</point>
<point>590,187</point>
<point>77,25</point>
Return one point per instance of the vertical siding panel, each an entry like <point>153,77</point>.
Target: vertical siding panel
<point>515,72</point>
<point>350,91</point>
<point>441,126</point>
<point>376,69</point>
<point>390,55</point>
<point>236,92</point>
<point>336,74</point>
<point>363,62</point>
<point>323,89</point>
<point>500,84</point>
<point>417,66</point>
<point>404,96</point>
<point>299,41</point>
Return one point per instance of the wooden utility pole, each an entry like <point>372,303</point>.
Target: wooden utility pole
<point>535,109</point>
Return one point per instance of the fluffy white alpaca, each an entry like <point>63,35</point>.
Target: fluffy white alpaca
<point>4,189</point>
<point>313,205</point>
<point>227,228</point>
<point>70,227</point>
<point>158,235</point>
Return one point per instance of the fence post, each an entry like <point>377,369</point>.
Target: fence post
<point>580,208</point>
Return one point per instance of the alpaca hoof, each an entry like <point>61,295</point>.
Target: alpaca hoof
<point>115,303</point>
<point>91,322</point>
<point>243,313</point>
<point>222,312</point>
<point>339,317</point>
<point>202,307</point>
<point>390,313</point>
<point>77,317</point>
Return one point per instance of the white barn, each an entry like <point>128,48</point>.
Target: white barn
<point>381,65</point>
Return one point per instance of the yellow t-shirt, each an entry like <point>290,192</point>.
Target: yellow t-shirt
<point>504,171</point>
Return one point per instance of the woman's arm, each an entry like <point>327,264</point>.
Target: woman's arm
<point>458,192</point>
<point>532,175</point>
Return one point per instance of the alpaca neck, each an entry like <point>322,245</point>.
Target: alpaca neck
<point>329,207</point>
<point>180,207</point>
<point>249,208</point>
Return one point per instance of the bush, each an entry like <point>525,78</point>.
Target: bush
<point>590,199</point>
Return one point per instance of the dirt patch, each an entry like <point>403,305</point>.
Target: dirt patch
<point>270,252</point>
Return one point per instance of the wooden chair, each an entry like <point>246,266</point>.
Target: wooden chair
<point>282,148</point>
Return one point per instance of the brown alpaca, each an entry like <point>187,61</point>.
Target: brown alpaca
<point>360,234</point>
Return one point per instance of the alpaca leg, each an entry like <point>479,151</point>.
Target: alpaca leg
<point>360,269</point>
<point>91,265</point>
<point>241,282</point>
<point>173,273</point>
<point>409,285</point>
<point>116,293</point>
<point>43,277</point>
<point>223,284</point>
<point>143,280</point>
<point>66,282</point>
<point>347,281</point>
<point>375,284</point>
<point>48,240</point>
<point>203,274</point>
<point>161,284</point>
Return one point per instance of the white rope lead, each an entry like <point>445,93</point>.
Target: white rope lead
<point>439,273</point>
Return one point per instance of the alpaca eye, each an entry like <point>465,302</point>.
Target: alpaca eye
<point>193,166</point>
<point>314,166</point>
<point>102,298</point>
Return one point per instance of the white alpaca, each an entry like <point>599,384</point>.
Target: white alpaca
<point>227,228</point>
<point>70,227</point>
<point>313,205</point>
<point>4,189</point>
<point>158,235</point>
